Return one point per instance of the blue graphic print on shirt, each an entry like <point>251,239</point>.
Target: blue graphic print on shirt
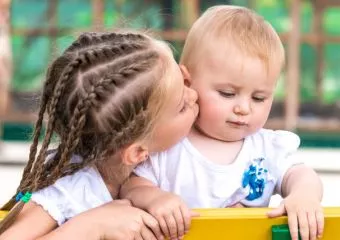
<point>256,178</point>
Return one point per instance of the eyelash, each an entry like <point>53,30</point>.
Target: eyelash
<point>258,99</point>
<point>230,95</point>
<point>225,94</point>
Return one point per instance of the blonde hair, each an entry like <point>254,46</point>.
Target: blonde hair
<point>240,26</point>
<point>106,91</point>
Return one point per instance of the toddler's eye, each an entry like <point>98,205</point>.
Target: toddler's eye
<point>226,94</point>
<point>259,99</point>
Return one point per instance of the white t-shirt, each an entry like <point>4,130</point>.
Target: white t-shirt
<point>73,194</point>
<point>184,171</point>
<point>254,176</point>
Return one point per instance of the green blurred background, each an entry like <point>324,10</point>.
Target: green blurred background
<point>33,53</point>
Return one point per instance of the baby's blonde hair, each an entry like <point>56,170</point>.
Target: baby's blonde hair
<point>240,26</point>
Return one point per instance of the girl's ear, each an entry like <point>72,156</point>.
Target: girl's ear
<point>134,154</point>
<point>186,75</point>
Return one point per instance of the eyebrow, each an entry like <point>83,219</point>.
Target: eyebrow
<point>263,91</point>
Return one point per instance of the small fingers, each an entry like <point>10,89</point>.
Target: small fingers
<point>147,234</point>
<point>303,225</point>
<point>293,226</point>
<point>187,214</point>
<point>180,223</point>
<point>138,236</point>
<point>277,212</point>
<point>153,225</point>
<point>320,220</point>
<point>171,225</point>
<point>164,227</point>
<point>312,224</point>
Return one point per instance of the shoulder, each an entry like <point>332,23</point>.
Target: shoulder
<point>87,179</point>
<point>277,139</point>
<point>164,162</point>
<point>178,149</point>
<point>73,194</point>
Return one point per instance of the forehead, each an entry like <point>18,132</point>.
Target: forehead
<point>230,64</point>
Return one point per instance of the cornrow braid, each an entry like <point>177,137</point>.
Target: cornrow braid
<point>38,164</point>
<point>78,120</point>
<point>79,117</point>
<point>93,38</point>
<point>96,96</point>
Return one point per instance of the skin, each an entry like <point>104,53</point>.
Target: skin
<point>179,113</point>
<point>235,93</point>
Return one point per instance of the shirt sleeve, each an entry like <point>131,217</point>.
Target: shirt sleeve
<point>150,169</point>
<point>284,145</point>
<point>73,194</point>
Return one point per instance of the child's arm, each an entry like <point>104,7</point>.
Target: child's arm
<point>302,191</point>
<point>173,215</point>
<point>116,220</point>
<point>32,222</point>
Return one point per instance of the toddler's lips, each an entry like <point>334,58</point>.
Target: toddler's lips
<point>237,123</point>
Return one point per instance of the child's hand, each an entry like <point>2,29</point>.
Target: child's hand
<point>304,214</point>
<point>173,216</point>
<point>120,221</point>
<point>237,205</point>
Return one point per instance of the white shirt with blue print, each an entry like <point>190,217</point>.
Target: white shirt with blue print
<point>254,176</point>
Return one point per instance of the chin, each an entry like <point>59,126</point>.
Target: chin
<point>233,137</point>
<point>236,139</point>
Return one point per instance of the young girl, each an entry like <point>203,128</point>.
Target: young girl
<point>112,99</point>
<point>234,58</point>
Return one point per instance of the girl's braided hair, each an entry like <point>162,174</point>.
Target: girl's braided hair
<point>97,95</point>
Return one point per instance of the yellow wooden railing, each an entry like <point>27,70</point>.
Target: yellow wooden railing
<point>249,224</point>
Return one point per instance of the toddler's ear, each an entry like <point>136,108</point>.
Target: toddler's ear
<point>186,75</point>
<point>134,154</point>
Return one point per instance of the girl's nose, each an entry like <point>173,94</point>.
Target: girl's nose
<point>192,96</point>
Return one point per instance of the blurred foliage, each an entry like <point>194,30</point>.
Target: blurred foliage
<point>32,54</point>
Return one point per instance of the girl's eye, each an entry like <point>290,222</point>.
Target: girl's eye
<point>258,99</point>
<point>226,94</point>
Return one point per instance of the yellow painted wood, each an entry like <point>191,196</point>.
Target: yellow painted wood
<point>246,223</point>
<point>249,223</point>
<point>2,215</point>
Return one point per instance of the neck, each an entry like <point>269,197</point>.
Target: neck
<point>114,174</point>
<point>215,150</point>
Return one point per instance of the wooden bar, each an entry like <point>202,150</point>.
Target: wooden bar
<point>6,66</point>
<point>98,14</point>
<point>247,223</point>
<point>19,117</point>
<point>52,23</point>
<point>293,69</point>
<point>174,34</point>
<point>311,38</point>
<point>330,125</point>
<point>318,31</point>
<point>190,11</point>
<point>329,3</point>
